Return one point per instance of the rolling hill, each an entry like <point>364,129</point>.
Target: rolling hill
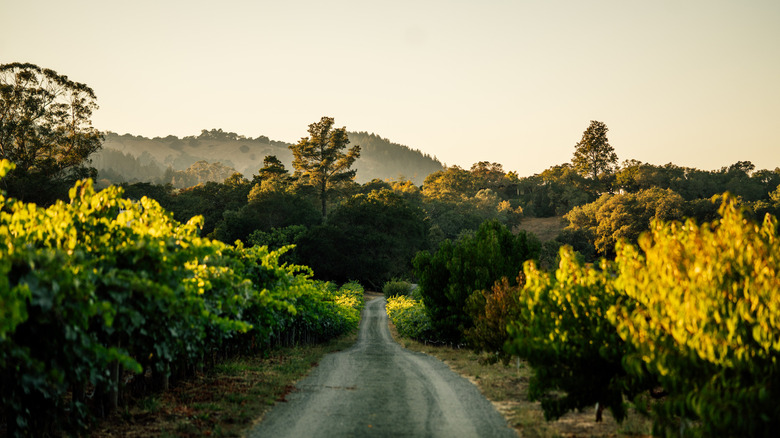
<point>139,159</point>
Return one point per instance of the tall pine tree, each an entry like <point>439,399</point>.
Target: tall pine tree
<point>593,156</point>
<point>320,158</point>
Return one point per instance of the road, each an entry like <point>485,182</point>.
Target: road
<point>379,389</point>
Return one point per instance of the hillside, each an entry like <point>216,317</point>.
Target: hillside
<point>136,158</point>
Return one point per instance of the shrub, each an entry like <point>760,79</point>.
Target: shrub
<point>693,308</point>
<point>394,288</point>
<point>473,262</point>
<point>409,317</point>
<point>103,287</point>
<point>492,310</point>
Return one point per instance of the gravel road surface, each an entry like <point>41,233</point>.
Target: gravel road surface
<point>379,389</point>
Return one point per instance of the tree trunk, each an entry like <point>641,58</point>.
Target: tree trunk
<point>113,391</point>
<point>323,198</point>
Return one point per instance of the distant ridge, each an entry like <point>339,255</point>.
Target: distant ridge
<point>134,158</point>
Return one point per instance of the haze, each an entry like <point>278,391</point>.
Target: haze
<point>515,82</point>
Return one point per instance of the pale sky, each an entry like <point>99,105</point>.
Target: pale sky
<point>695,83</point>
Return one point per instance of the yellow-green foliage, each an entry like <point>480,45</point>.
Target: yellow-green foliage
<point>706,319</point>
<point>350,300</point>
<point>564,334</point>
<point>102,285</point>
<point>694,308</point>
<point>409,317</point>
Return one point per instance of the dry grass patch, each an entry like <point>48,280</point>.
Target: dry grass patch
<point>506,386</point>
<point>545,228</point>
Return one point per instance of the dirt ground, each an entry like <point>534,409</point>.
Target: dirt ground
<point>377,388</point>
<point>545,228</point>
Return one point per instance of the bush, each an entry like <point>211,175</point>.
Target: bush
<point>276,238</point>
<point>394,288</point>
<point>473,262</point>
<point>492,310</point>
<point>693,308</point>
<point>409,317</point>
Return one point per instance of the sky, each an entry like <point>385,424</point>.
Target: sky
<point>691,82</point>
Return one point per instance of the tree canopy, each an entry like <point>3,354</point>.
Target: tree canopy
<point>320,158</point>
<point>45,129</point>
<point>593,155</point>
<point>370,238</point>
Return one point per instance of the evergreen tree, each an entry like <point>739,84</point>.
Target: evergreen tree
<point>593,156</point>
<point>320,159</point>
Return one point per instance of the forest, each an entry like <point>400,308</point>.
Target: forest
<point>661,279</point>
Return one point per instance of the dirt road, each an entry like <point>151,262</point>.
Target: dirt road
<point>379,389</point>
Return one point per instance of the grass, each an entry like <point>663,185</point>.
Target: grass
<point>224,402</point>
<point>506,386</point>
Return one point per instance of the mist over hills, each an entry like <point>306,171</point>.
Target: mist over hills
<point>129,158</point>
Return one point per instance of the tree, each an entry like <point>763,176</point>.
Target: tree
<point>272,168</point>
<point>370,238</point>
<point>562,331</point>
<point>320,158</point>
<point>45,130</point>
<point>268,207</point>
<point>612,218</point>
<point>555,191</point>
<point>701,312</point>
<point>450,184</point>
<point>593,156</point>
<point>488,175</point>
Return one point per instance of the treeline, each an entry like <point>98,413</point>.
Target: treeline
<point>371,232</point>
<point>116,167</point>
<point>276,207</point>
<point>639,192</point>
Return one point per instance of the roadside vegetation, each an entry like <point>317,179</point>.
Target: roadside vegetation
<point>105,300</point>
<point>650,331</point>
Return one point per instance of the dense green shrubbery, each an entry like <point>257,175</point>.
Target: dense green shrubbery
<point>103,287</point>
<point>409,317</point>
<point>277,238</point>
<point>473,262</point>
<point>394,288</point>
